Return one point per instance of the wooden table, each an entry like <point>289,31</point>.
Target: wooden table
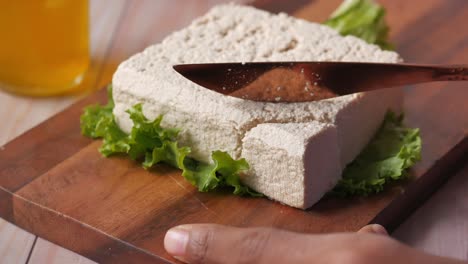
<point>121,28</point>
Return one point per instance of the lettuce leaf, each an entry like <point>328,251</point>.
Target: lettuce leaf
<point>153,144</point>
<point>364,19</point>
<point>98,122</point>
<point>385,159</point>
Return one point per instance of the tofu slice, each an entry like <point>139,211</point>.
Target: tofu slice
<point>210,121</point>
<point>294,163</point>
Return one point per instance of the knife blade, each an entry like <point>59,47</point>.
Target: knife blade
<point>311,81</point>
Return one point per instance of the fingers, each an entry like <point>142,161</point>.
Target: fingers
<point>374,229</point>
<point>221,244</point>
<point>207,243</point>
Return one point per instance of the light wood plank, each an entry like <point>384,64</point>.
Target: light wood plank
<point>46,252</point>
<point>440,226</point>
<point>15,243</point>
<point>19,114</point>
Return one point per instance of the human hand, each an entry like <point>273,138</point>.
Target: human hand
<point>209,243</point>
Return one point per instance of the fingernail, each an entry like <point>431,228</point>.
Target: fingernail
<point>175,241</point>
<point>378,229</point>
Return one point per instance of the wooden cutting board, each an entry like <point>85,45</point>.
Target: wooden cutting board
<point>54,183</point>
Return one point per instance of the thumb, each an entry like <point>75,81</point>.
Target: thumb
<point>374,229</point>
<point>209,243</point>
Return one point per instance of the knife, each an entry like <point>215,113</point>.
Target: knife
<point>311,81</point>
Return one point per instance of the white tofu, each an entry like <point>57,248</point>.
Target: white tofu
<point>210,121</point>
<point>306,152</point>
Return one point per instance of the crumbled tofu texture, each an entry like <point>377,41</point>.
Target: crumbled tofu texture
<point>307,152</point>
<point>210,121</point>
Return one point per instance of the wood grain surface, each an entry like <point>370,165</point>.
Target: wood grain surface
<point>411,29</point>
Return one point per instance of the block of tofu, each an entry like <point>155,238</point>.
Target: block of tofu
<point>307,153</point>
<point>227,33</point>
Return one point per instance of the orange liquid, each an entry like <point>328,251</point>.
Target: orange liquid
<point>44,45</point>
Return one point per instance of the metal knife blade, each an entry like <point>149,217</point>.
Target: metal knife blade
<point>311,81</point>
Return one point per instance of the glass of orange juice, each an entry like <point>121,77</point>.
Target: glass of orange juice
<point>44,46</point>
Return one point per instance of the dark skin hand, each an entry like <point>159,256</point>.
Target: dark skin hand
<point>210,243</point>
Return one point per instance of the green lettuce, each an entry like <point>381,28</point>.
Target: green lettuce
<point>393,150</point>
<point>363,19</point>
<point>98,122</point>
<point>153,144</point>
